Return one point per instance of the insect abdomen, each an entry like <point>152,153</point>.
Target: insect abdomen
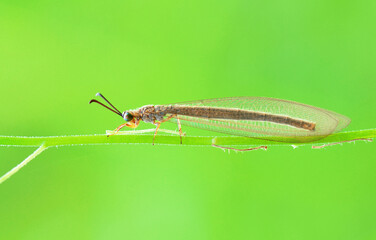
<point>238,114</point>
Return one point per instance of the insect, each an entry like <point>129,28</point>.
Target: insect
<point>255,117</point>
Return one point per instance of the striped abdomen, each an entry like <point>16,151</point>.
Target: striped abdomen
<point>238,114</point>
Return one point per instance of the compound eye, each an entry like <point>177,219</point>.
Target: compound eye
<point>128,117</point>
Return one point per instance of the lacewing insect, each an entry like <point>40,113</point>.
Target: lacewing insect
<point>255,117</point>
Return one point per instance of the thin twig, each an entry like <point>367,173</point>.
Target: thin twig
<point>18,141</point>
<point>23,163</point>
<point>133,137</point>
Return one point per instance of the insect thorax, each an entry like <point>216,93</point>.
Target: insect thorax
<point>151,113</point>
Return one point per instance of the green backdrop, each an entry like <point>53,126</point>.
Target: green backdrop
<point>55,55</point>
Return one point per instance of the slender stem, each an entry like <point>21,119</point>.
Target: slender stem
<point>23,163</point>
<point>130,137</point>
<point>18,141</point>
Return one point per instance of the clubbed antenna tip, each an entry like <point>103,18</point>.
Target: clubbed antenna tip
<point>115,110</point>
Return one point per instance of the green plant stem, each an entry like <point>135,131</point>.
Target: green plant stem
<point>23,163</point>
<point>18,141</point>
<point>136,137</point>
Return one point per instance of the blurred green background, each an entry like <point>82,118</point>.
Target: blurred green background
<point>55,55</point>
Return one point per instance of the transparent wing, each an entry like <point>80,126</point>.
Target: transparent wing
<point>327,122</point>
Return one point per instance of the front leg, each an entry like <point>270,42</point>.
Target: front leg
<point>118,129</point>
<point>132,124</point>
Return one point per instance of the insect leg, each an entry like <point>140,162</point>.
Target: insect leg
<point>118,129</point>
<point>353,140</point>
<point>240,150</point>
<point>158,124</point>
<point>179,125</point>
<point>180,132</point>
<point>168,118</point>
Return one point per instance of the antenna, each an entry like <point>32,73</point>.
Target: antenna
<point>112,110</point>
<point>100,95</point>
